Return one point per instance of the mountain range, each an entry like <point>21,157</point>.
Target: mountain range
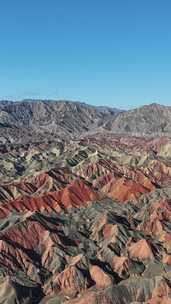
<point>85,204</point>
<point>34,120</point>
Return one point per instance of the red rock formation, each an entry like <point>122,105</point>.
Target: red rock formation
<point>141,250</point>
<point>74,195</point>
<point>101,279</point>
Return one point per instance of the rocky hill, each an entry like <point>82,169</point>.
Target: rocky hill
<point>40,120</point>
<point>150,119</point>
<point>45,120</point>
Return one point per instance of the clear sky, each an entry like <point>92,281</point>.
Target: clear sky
<point>103,52</point>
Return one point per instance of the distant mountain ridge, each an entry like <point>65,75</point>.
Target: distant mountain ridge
<point>145,120</point>
<point>36,120</point>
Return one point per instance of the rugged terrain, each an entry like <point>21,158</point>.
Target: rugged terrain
<point>23,121</point>
<point>87,219</point>
<point>149,119</point>
<point>41,121</point>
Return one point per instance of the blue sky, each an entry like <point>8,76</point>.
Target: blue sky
<point>103,52</point>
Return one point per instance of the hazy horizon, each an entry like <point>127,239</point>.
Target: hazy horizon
<point>81,101</point>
